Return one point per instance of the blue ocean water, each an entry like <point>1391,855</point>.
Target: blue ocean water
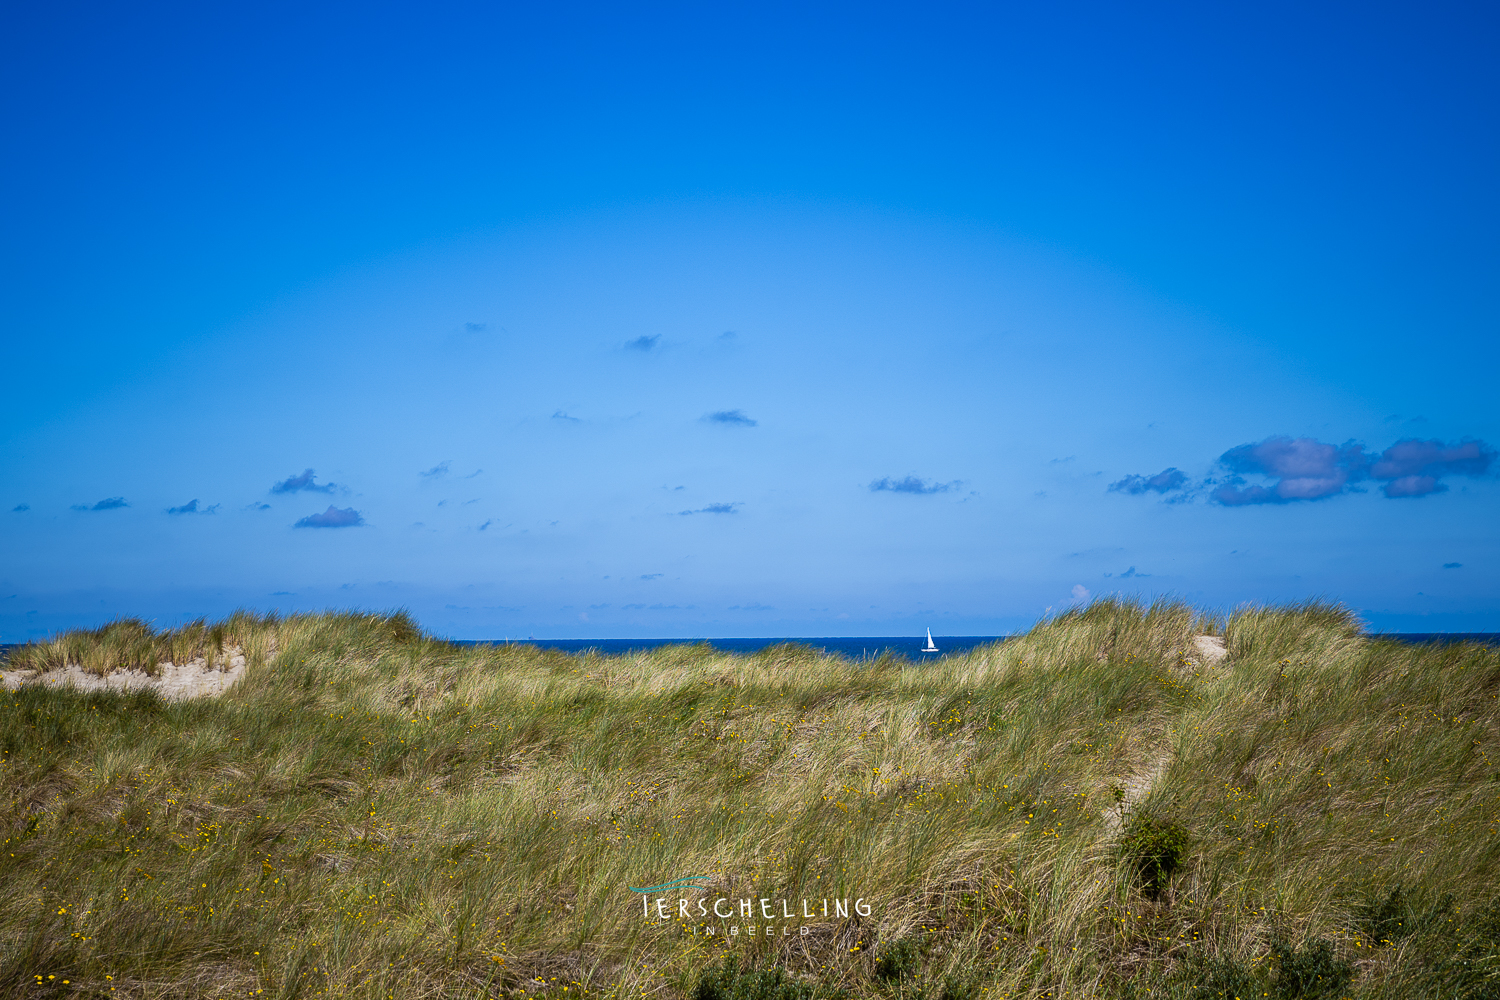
<point>872,646</point>
<point>1420,638</point>
<point>857,647</point>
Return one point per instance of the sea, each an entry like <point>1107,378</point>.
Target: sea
<point>858,647</point>
<point>870,647</point>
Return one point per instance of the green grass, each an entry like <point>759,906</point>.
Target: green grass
<point>370,813</point>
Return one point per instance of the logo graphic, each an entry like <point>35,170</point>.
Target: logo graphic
<point>686,882</point>
<point>752,916</point>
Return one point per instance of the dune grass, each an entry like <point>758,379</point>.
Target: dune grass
<point>370,813</point>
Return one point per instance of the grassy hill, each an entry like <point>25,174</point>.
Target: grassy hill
<point>1089,810</point>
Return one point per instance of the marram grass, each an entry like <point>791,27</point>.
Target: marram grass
<point>370,813</point>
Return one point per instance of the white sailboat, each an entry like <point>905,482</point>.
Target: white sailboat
<point>929,648</point>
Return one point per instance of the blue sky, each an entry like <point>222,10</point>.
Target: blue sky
<point>747,320</point>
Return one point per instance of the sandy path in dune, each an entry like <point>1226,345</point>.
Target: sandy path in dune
<point>1212,652</point>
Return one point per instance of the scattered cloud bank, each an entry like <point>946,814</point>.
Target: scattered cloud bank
<point>560,415</point>
<point>1453,565</point>
<point>1296,469</point>
<point>1413,468</point>
<point>333,517</point>
<point>642,343</point>
<point>1080,593</point>
<point>18,508</point>
<point>1129,573</point>
<point>191,507</point>
<point>108,503</point>
<point>1302,469</point>
<point>1163,482</point>
<point>911,484</point>
<point>713,508</point>
<point>303,483</point>
<point>650,576</point>
<point>732,418</point>
<point>436,472</point>
<point>474,327</point>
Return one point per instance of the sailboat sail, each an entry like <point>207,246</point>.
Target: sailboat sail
<point>929,648</point>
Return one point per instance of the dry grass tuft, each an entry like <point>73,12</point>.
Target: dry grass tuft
<point>372,813</point>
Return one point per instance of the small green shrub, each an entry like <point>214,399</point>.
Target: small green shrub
<point>1386,921</point>
<point>1461,953</point>
<point>1155,848</point>
<point>898,960</point>
<point>956,988</point>
<point>1311,972</point>
<point>729,982</point>
<point>1217,979</point>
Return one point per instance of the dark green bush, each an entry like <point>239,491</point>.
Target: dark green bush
<point>1445,953</point>
<point>1463,954</point>
<point>898,960</point>
<point>1311,972</point>
<point>1155,848</point>
<point>1386,921</point>
<point>729,982</point>
<point>956,988</point>
<point>1221,979</point>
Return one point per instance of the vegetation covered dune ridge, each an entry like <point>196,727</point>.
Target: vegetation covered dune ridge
<point>1092,809</point>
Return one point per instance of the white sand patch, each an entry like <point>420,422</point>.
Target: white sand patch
<point>1211,647</point>
<point>177,682</point>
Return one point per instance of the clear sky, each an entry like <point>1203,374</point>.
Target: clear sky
<point>733,320</point>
